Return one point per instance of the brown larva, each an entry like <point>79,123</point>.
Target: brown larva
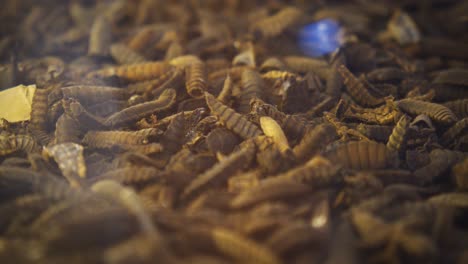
<point>124,55</point>
<point>196,79</point>
<point>136,112</point>
<point>232,120</point>
<point>274,25</point>
<point>363,155</point>
<point>437,112</point>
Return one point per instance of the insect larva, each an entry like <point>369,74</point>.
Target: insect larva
<point>397,139</point>
<point>173,51</point>
<point>221,171</point>
<point>272,129</point>
<point>55,110</point>
<point>100,37</point>
<point>232,120</point>
<point>252,87</point>
<point>174,137</point>
<point>454,199</point>
<point>135,72</point>
<point>363,155</point>
<point>143,38</point>
<point>130,175</point>
<point>226,91</point>
<point>222,140</point>
<point>196,79</point>
<point>293,126</point>
<point>269,189</point>
<point>246,57</point>
<point>108,139</point>
<point>305,65</point>
<point>74,109</point>
<point>39,108</point>
<point>94,94</point>
<point>282,75</point>
<point>357,89</point>
<point>107,107</point>
<point>454,132</point>
<point>460,174</point>
<point>277,23</point>
<point>387,74</point>
<point>149,86</point>
<point>441,160</point>
<point>341,129</point>
<point>318,172</point>
<point>314,140</point>
<point>242,248</point>
<point>146,149</point>
<point>437,112</point>
<point>70,159</point>
<point>294,235</point>
<point>382,115</point>
<point>15,143</point>
<point>459,107</point>
<point>67,130</point>
<point>184,61</point>
<point>272,64</point>
<point>452,77</point>
<point>128,198</point>
<point>136,112</point>
<point>375,132</point>
<point>124,55</point>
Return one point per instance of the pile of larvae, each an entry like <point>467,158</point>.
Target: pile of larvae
<point>199,132</point>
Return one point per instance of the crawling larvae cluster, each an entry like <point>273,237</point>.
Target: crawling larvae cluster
<point>196,132</point>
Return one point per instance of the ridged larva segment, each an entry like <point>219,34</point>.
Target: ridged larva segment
<point>396,141</point>
<point>125,55</point>
<point>252,87</point>
<point>135,72</point>
<point>363,155</point>
<point>196,79</point>
<point>437,112</point>
<point>458,107</point>
<point>232,120</point>
<point>357,89</point>
<point>274,25</point>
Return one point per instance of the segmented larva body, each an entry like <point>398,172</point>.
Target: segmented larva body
<point>293,126</point>
<point>318,172</point>
<point>269,189</point>
<point>396,141</point>
<point>305,64</point>
<point>151,85</point>
<point>452,77</point>
<point>74,109</point>
<point>459,107</point>
<point>437,112</point>
<point>88,94</point>
<point>455,131</point>
<point>357,90</point>
<point>221,171</point>
<point>125,55</point>
<point>232,120</point>
<point>363,155</point>
<point>196,79</point>
<point>273,64</point>
<point>314,140</point>
<point>108,139</point>
<point>67,129</point>
<point>174,136</point>
<point>14,143</point>
<point>100,37</point>
<point>274,25</point>
<point>130,175</point>
<point>252,86</point>
<point>226,92</point>
<point>136,112</point>
<point>39,109</point>
<point>241,248</point>
<point>386,74</point>
<point>272,129</point>
<point>135,72</point>
<point>375,132</point>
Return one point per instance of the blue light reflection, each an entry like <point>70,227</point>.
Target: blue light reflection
<point>320,38</point>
